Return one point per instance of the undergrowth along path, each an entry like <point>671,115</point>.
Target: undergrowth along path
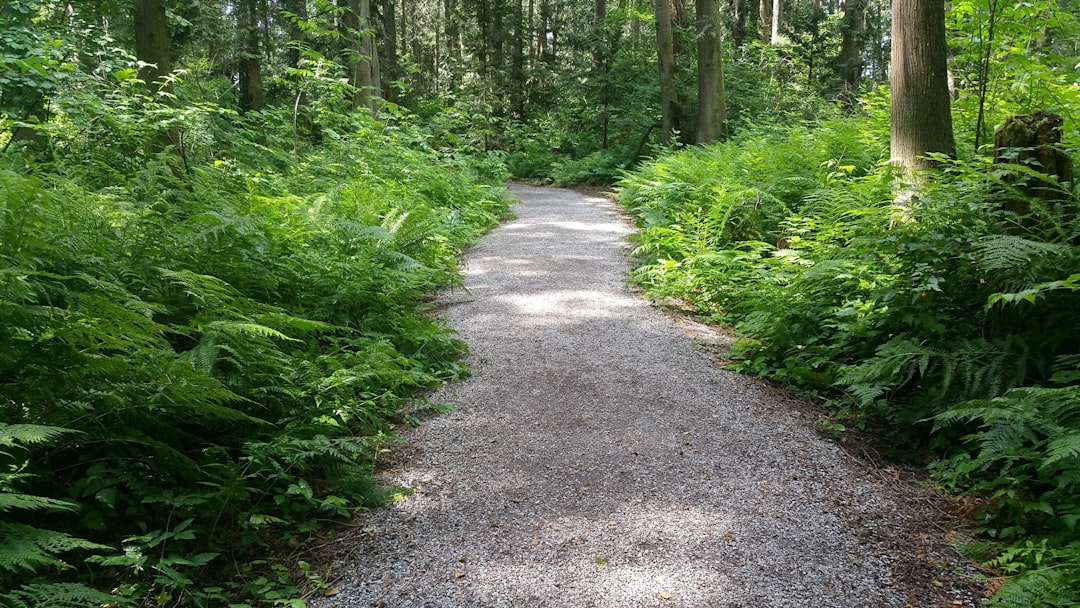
<point>596,458</point>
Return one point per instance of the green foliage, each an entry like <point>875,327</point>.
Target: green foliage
<point>228,326</point>
<point>943,323</point>
<point>28,550</point>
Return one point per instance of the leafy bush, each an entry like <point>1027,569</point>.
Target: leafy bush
<point>226,335</point>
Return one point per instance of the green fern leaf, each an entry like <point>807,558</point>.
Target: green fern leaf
<point>28,548</point>
<point>1063,447</point>
<point>26,434</point>
<point>59,595</point>
<point>10,501</point>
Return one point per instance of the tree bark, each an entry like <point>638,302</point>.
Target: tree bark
<point>921,118</point>
<point>711,111</point>
<point>737,21</point>
<point>765,20</point>
<point>665,54</point>
<point>389,51</point>
<point>849,64</point>
<point>360,53</point>
<point>152,45</point>
<point>774,22</point>
<point>251,89</point>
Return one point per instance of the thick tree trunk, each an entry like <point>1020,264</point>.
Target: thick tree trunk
<point>711,111</point>
<point>921,120</point>
<point>360,53</point>
<point>152,44</point>
<point>665,52</point>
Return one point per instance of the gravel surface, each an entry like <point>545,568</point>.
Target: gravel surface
<point>597,459</point>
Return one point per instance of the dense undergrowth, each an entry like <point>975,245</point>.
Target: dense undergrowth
<point>202,347</point>
<point>949,325</point>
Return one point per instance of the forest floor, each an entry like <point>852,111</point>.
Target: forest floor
<point>598,458</point>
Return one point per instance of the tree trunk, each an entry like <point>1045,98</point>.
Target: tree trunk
<point>774,22</point>
<point>711,112</point>
<point>685,112</point>
<point>849,65</point>
<point>764,23</point>
<point>921,118</point>
<point>517,64</point>
<point>152,45</point>
<point>251,89</point>
<point>360,53</point>
<point>665,54</point>
<point>737,21</point>
<point>599,17</point>
<point>389,51</point>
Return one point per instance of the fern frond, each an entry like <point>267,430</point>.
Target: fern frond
<point>1042,588</point>
<point>1063,447</point>
<point>28,548</point>
<point>28,434</point>
<point>1010,252</point>
<point>59,595</point>
<point>246,329</point>
<point>11,501</point>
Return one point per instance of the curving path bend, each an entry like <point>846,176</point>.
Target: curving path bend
<point>597,459</point>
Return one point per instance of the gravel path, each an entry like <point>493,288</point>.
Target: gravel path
<point>597,459</point>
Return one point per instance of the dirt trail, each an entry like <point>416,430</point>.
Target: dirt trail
<point>596,458</point>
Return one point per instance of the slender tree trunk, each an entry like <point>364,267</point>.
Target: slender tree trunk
<point>849,64</point>
<point>685,111</point>
<point>774,22</point>
<point>517,65</point>
<point>921,120</point>
<point>665,53</point>
<point>737,21</point>
<point>765,20</point>
<point>251,89</point>
<point>389,51</point>
<point>599,17</point>
<point>712,114</point>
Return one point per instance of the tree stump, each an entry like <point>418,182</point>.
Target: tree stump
<point>1031,140</point>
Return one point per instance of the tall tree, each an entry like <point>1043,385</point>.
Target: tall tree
<point>921,118</point>
<point>849,64</point>
<point>152,44</point>
<point>764,24</point>
<point>712,115</point>
<point>665,52</point>
<point>251,89</point>
<point>774,22</point>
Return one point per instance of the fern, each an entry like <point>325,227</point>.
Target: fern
<point>29,548</point>
<point>59,595</point>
